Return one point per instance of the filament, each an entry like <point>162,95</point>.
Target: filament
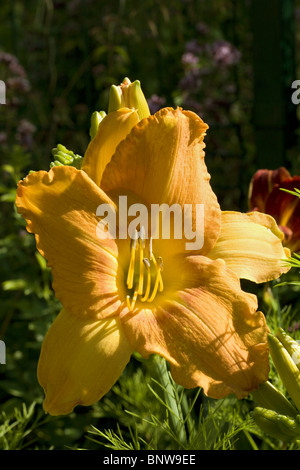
<point>131,304</point>
<point>143,273</point>
<point>157,281</point>
<point>148,282</point>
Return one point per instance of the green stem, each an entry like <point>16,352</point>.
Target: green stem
<point>251,440</point>
<point>171,398</point>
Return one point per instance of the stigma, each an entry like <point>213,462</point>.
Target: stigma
<point>144,272</point>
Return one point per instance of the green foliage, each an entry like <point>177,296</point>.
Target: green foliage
<point>145,410</point>
<point>19,431</point>
<point>146,422</point>
<point>59,60</point>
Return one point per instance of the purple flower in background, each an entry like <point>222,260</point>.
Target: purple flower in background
<point>294,327</point>
<point>13,64</point>
<point>189,58</point>
<point>24,134</point>
<point>15,78</point>
<point>18,84</point>
<point>224,53</point>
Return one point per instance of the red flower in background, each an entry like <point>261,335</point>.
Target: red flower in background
<point>266,195</point>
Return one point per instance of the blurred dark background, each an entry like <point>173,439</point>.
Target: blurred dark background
<point>232,62</point>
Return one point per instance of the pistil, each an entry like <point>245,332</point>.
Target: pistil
<point>133,246</point>
<point>141,275</point>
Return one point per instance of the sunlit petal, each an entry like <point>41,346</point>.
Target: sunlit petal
<point>209,331</point>
<point>162,162</point>
<point>251,245</point>
<point>111,131</point>
<point>60,208</point>
<point>80,361</point>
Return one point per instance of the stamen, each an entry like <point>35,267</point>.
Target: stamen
<point>161,267</point>
<point>142,237</point>
<point>157,281</point>
<point>148,285</point>
<point>161,286</point>
<point>132,304</point>
<point>141,264</point>
<point>150,248</point>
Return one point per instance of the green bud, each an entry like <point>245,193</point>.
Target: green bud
<point>96,118</point>
<point>276,425</point>
<point>116,101</point>
<point>137,99</point>
<point>56,163</point>
<point>63,156</point>
<point>268,396</point>
<point>292,346</point>
<point>286,368</point>
<point>128,95</point>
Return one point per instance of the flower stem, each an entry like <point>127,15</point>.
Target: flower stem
<point>172,399</point>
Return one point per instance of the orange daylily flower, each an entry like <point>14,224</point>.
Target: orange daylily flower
<point>266,195</point>
<point>152,296</point>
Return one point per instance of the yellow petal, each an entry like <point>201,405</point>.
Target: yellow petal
<point>209,330</point>
<point>162,162</point>
<point>111,131</point>
<point>251,245</point>
<point>80,361</point>
<point>60,208</point>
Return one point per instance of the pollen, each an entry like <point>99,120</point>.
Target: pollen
<point>144,276</point>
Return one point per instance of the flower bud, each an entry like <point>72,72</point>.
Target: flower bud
<point>286,368</point>
<point>128,95</point>
<point>292,346</point>
<point>96,118</point>
<point>63,156</point>
<point>276,425</point>
<point>268,396</point>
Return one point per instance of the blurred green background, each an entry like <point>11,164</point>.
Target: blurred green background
<point>232,62</point>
